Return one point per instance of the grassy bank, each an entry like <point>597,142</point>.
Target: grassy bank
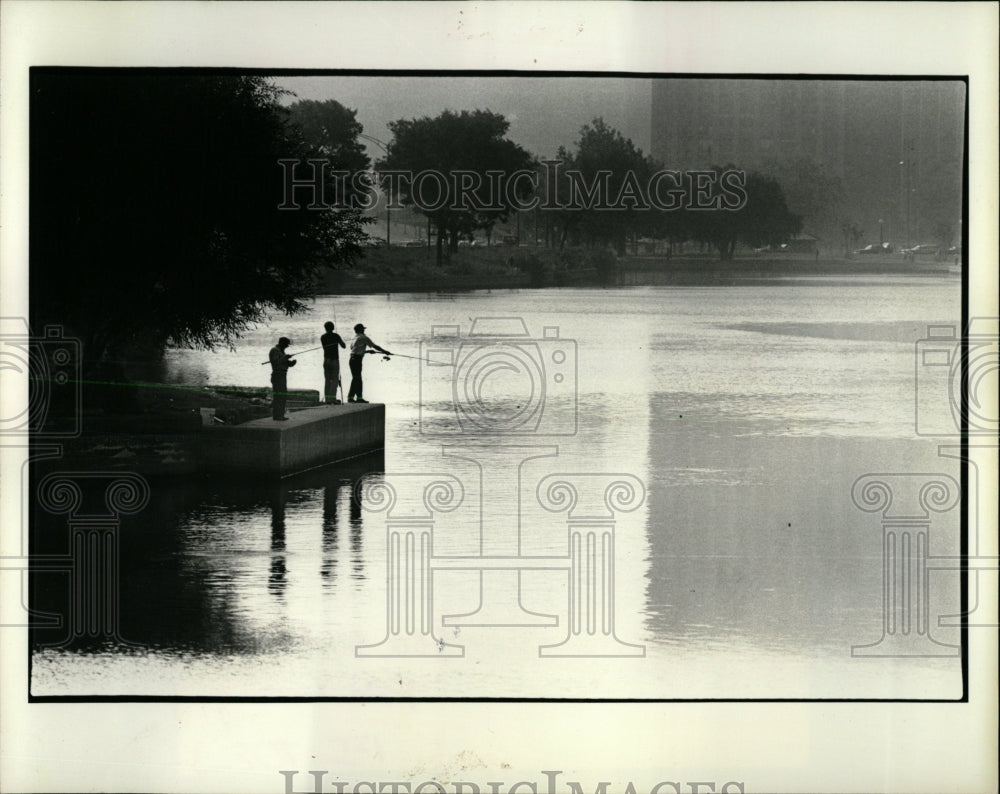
<point>401,269</point>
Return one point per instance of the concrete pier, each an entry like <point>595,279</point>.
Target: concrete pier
<point>310,438</point>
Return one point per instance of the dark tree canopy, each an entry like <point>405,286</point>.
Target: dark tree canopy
<point>450,143</point>
<point>610,174</point>
<point>764,218</point>
<point>154,209</point>
<point>333,131</point>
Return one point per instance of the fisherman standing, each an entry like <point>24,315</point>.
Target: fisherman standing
<point>331,363</point>
<point>359,346</point>
<point>280,362</point>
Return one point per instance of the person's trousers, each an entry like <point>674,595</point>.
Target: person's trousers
<point>279,382</point>
<point>357,385</point>
<point>331,377</point>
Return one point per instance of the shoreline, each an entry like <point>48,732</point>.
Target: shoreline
<point>538,268</point>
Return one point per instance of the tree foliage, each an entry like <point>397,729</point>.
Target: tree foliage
<point>473,142</point>
<point>332,131</point>
<point>764,218</point>
<point>812,192</point>
<point>614,175</point>
<point>154,209</point>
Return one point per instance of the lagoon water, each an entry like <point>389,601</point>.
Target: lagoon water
<point>745,413</point>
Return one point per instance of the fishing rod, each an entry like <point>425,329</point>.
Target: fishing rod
<point>386,357</point>
<point>290,355</point>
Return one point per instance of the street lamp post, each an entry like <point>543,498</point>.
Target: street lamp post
<point>907,178</point>
<point>881,235</point>
<point>388,198</point>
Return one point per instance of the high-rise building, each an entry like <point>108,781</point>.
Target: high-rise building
<point>894,146</point>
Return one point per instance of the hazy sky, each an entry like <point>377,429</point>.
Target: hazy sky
<point>544,112</point>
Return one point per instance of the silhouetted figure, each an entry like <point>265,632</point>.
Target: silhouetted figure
<point>331,363</point>
<point>280,362</point>
<point>359,345</point>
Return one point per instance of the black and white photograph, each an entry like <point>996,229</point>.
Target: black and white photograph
<point>345,394</point>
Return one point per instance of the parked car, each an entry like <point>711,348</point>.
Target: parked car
<point>924,249</point>
<point>875,248</point>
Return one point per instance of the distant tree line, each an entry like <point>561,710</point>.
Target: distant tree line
<point>156,212</point>
<point>599,193</point>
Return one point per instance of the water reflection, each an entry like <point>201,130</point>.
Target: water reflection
<point>278,577</point>
<point>759,540</point>
<point>357,561</point>
<point>328,568</point>
<point>747,441</point>
<point>223,566</point>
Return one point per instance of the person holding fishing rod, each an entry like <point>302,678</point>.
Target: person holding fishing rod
<point>331,363</point>
<point>280,362</point>
<point>359,346</point>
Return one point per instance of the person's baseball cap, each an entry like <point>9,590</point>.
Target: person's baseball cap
<point>285,340</point>
<point>359,328</point>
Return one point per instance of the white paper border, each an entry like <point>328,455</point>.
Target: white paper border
<point>175,747</point>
